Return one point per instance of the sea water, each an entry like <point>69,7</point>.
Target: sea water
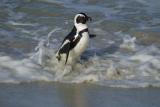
<point>125,52</point>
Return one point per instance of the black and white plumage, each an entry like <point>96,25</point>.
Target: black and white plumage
<point>75,43</point>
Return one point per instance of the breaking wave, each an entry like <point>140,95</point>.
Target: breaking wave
<point>131,65</point>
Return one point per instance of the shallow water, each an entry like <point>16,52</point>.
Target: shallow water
<point>125,53</point>
<point>52,94</point>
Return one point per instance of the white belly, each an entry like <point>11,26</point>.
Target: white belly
<point>82,44</point>
<point>75,53</point>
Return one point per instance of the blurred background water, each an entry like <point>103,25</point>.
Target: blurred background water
<point>125,53</point>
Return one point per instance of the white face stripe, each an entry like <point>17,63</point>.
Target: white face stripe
<point>77,16</point>
<point>79,26</point>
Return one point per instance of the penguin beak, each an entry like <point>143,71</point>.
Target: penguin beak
<point>89,18</point>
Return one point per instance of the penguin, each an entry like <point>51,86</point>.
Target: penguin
<point>76,42</point>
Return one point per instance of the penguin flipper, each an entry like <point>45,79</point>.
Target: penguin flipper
<point>67,54</point>
<point>65,49</point>
<point>92,35</point>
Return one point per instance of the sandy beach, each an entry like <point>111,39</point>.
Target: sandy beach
<point>43,94</point>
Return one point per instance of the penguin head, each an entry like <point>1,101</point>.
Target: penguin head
<point>81,18</point>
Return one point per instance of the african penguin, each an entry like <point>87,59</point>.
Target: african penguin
<point>75,43</point>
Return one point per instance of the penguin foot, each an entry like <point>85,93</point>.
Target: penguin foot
<point>92,35</point>
<point>58,57</point>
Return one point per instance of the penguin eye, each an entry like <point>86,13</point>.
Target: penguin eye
<point>81,19</point>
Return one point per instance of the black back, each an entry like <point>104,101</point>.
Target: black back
<point>71,35</point>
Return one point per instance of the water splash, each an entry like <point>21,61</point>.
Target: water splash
<point>128,41</point>
<point>137,68</point>
<point>44,49</point>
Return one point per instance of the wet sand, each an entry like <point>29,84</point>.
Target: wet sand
<point>51,94</point>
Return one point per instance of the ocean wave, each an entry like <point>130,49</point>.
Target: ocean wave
<point>140,68</point>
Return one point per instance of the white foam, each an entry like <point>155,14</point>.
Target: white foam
<point>44,49</point>
<point>21,24</point>
<point>22,70</point>
<point>139,69</point>
<point>111,72</point>
<point>86,79</point>
<point>142,58</point>
<point>128,43</point>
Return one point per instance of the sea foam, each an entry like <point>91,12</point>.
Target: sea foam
<point>140,68</point>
